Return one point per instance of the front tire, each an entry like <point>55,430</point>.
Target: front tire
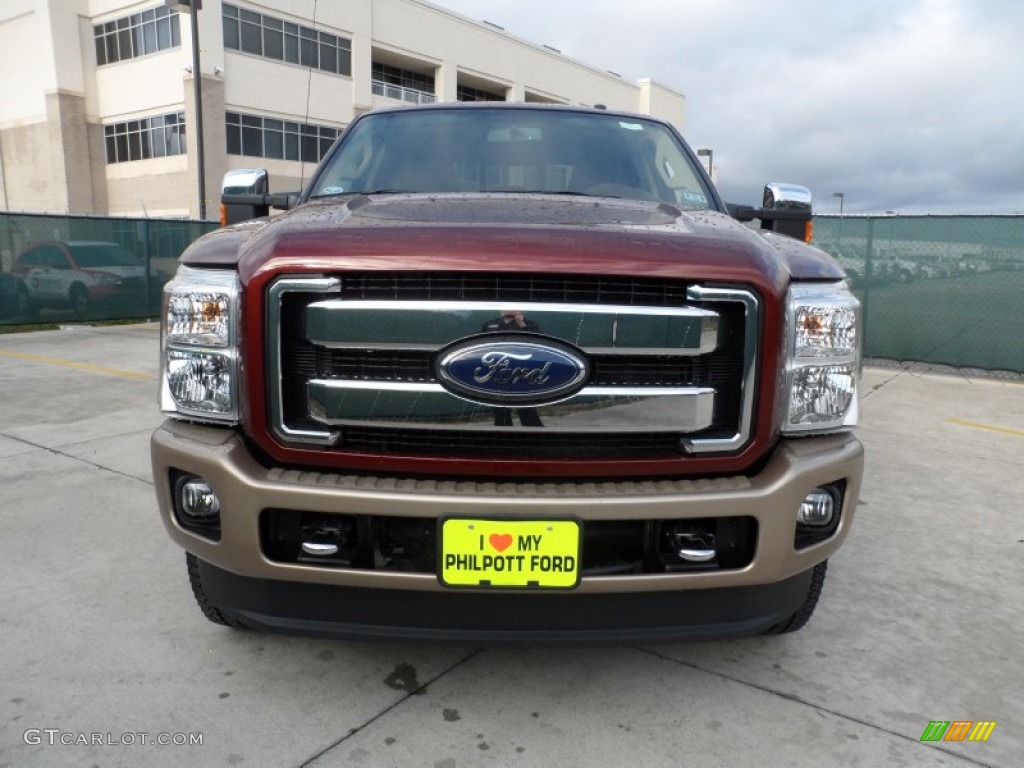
<point>80,302</point>
<point>803,614</point>
<point>208,607</point>
<point>26,307</point>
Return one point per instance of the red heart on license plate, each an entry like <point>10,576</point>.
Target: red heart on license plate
<point>500,541</point>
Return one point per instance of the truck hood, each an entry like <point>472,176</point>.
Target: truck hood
<point>522,232</point>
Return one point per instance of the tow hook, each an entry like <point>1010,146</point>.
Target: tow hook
<point>695,547</point>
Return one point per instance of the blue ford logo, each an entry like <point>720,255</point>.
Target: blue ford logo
<point>511,370</point>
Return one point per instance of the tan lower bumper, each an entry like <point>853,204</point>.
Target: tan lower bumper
<point>245,488</point>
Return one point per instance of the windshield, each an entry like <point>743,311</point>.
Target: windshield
<point>513,150</point>
<point>104,255</point>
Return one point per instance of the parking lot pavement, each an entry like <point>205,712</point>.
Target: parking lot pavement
<point>921,617</point>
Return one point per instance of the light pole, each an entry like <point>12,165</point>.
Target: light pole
<point>842,199</point>
<point>192,8</point>
<point>710,155</point>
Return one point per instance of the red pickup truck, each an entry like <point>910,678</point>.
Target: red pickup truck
<point>508,373</point>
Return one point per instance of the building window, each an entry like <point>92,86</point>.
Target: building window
<point>257,136</point>
<point>402,84</point>
<point>281,40</point>
<point>137,35</point>
<point>160,136</point>
<point>466,93</point>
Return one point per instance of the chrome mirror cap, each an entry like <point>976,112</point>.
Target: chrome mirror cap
<point>786,197</point>
<point>246,181</point>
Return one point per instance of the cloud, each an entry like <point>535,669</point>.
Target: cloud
<point>912,107</point>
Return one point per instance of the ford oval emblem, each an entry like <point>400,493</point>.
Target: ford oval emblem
<point>511,370</point>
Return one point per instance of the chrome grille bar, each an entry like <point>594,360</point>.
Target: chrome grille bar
<point>431,325</point>
<point>593,409</point>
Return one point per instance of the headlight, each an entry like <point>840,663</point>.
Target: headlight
<point>822,359</point>
<point>200,345</point>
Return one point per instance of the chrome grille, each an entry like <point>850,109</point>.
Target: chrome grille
<point>352,365</point>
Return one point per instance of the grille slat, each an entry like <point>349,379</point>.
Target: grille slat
<point>309,361</point>
<point>535,445</point>
<point>486,286</point>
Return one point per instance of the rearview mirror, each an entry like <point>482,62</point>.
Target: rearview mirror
<point>245,194</point>
<point>786,197</point>
<point>786,209</point>
<point>246,181</point>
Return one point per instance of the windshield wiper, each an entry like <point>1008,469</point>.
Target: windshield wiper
<point>354,192</point>
<point>569,193</point>
<point>499,191</point>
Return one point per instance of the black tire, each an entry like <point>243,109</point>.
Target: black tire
<point>80,302</point>
<point>803,615</point>
<point>209,609</point>
<point>26,307</point>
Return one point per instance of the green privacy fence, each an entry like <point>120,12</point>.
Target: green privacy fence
<point>63,269</point>
<point>937,289</point>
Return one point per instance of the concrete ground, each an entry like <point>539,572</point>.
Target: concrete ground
<point>921,619</point>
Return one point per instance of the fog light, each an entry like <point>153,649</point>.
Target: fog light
<point>818,509</point>
<point>198,501</point>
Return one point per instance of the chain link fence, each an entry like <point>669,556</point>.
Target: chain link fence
<point>935,289</point>
<point>64,269</point>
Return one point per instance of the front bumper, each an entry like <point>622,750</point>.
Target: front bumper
<point>500,617</point>
<point>246,487</point>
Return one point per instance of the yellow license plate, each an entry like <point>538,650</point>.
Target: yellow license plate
<point>538,554</point>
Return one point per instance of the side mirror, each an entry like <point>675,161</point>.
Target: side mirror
<point>244,195</point>
<point>786,197</point>
<point>786,209</point>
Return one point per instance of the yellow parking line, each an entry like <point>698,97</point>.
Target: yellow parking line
<point>81,366</point>
<point>989,427</point>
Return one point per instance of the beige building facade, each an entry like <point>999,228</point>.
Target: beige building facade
<point>98,113</point>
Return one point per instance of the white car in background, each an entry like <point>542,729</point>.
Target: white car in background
<point>81,276</point>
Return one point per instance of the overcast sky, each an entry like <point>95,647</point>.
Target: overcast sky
<point>914,106</point>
